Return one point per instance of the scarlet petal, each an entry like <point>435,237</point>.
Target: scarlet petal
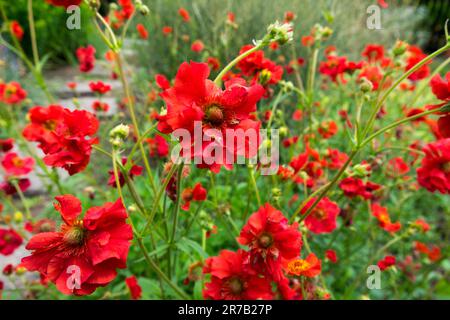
<point>69,207</point>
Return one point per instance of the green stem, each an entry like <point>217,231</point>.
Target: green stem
<point>255,186</point>
<point>33,33</point>
<point>23,200</point>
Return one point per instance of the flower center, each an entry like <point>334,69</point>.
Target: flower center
<point>187,195</point>
<point>214,115</point>
<point>320,214</point>
<point>17,162</point>
<point>75,235</point>
<point>236,286</point>
<point>50,125</point>
<point>446,167</point>
<point>265,240</point>
<point>298,266</point>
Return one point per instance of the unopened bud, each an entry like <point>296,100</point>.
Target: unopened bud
<point>118,134</point>
<point>280,32</point>
<point>18,216</point>
<point>366,85</point>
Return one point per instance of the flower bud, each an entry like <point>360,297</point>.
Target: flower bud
<point>144,10</point>
<point>118,134</point>
<point>280,32</point>
<point>366,85</point>
<point>18,216</point>
<point>264,77</point>
<point>399,48</point>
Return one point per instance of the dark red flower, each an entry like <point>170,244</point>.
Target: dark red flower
<point>194,99</point>
<point>86,58</point>
<point>9,189</point>
<point>12,93</point>
<point>64,3</point>
<point>354,187</point>
<point>133,171</point>
<point>331,255</point>
<point>134,287</point>
<point>198,193</point>
<point>10,240</point>
<point>17,166</point>
<point>232,279</point>
<point>158,146</point>
<point>6,144</point>
<point>61,134</point>
<point>91,249</point>
<point>434,173</point>
<point>322,219</point>
<point>272,241</point>
<point>99,106</point>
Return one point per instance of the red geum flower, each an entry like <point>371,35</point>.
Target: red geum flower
<point>9,188</point>
<point>64,3</point>
<point>197,46</point>
<point>17,166</point>
<point>10,240</point>
<point>198,193</point>
<point>232,278</point>
<point>272,241</point>
<point>331,255</point>
<point>322,219</point>
<point>434,173</point>
<point>414,56</point>
<point>167,30</point>
<point>213,63</point>
<point>86,58</point>
<point>6,144</point>
<point>397,167</point>
<point>354,187</point>
<point>61,134</point>
<point>386,262</point>
<point>16,30</point>
<point>333,67</point>
<point>8,269</point>
<point>384,219</point>
<point>307,41</point>
<point>158,146</point>
<point>12,93</point>
<point>194,99</point>
<point>441,87</point>
<point>134,170</point>
<point>134,288</point>
<point>335,159</point>
<point>184,14</point>
<point>309,267</point>
<point>327,129</point>
<point>289,16</point>
<point>373,52</point>
<point>94,246</point>
<point>99,87</point>
<point>143,33</point>
<point>100,106</point>
<point>422,225</point>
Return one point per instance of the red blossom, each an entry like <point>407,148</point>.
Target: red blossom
<point>322,219</point>
<point>434,172</point>
<point>309,267</point>
<point>17,166</point>
<point>143,33</point>
<point>99,87</point>
<point>134,287</point>
<point>384,219</point>
<point>16,30</point>
<point>10,240</point>
<point>86,58</point>
<point>134,170</point>
<point>12,93</point>
<point>198,193</point>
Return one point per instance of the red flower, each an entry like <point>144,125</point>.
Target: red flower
<point>289,16</point>
<point>441,87</point>
<point>12,93</point>
<point>99,87</point>
<point>307,41</point>
<point>433,253</point>
<point>373,74</point>
<point>198,193</point>
<point>444,126</point>
<point>331,255</point>
<point>8,269</point>
<point>64,3</point>
<point>231,278</point>
<point>143,33</point>
<point>16,166</point>
<point>213,63</point>
<point>422,225</point>
<point>134,287</point>
<point>397,167</point>
<point>434,173</point>
<point>271,239</point>
<point>86,58</point>
<point>167,30</point>
<point>387,262</point>
<point>197,46</point>
<point>195,98</point>
<point>323,217</point>
<point>333,67</point>
<point>61,135</point>
<point>184,14</point>
<point>415,55</point>
<point>373,52</point>
<point>16,30</point>
<point>384,219</point>
<point>99,106</point>
<point>335,159</point>
<point>6,144</point>
<point>71,85</point>
<point>158,146</point>
<point>354,187</point>
<point>135,170</point>
<point>93,247</point>
<point>309,267</point>
<point>10,240</point>
<point>383,4</point>
<point>9,189</point>
<point>327,129</point>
